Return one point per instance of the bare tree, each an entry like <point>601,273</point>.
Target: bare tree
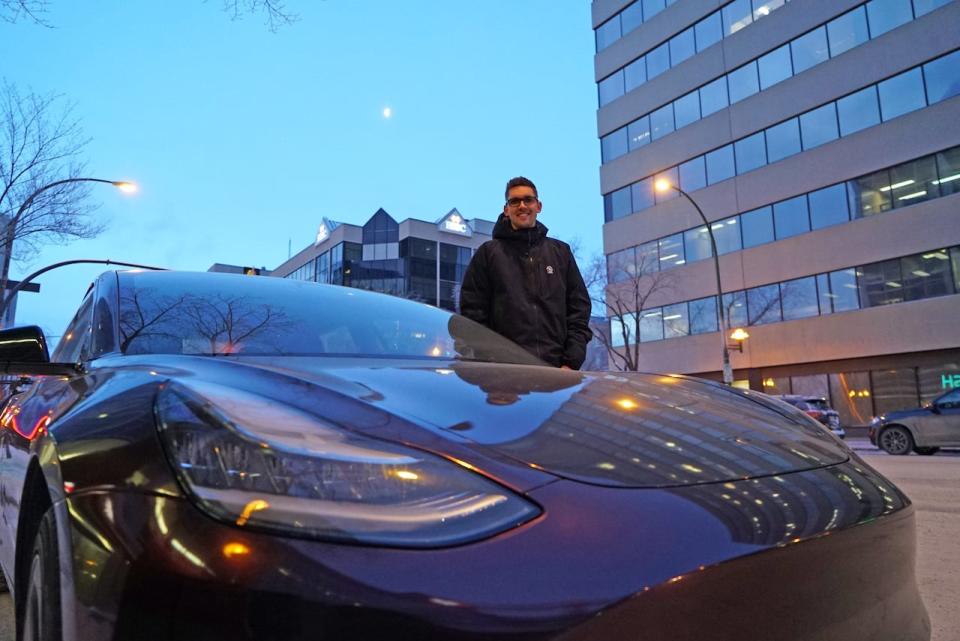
<point>41,146</point>
<point>33,10</point>
<point>623,289</point>
<point>275,11</point>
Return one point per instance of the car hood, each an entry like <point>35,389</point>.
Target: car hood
<point>901,414</point>
<point>611,429</point>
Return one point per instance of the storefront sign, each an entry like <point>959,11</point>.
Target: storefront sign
<point>950,381</point>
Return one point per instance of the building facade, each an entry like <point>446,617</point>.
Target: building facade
<point>416,259</point>
<point>821,139</point>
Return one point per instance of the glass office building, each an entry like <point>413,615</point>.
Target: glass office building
<point>822,142</point>
<point>416,259</point>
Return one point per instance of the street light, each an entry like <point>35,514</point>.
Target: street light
<point>663,185</point>
<point>125,186</point>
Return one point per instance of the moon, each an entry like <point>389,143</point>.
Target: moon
<point>387,112</point>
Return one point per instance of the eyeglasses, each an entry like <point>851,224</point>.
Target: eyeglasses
<point>526,200</point>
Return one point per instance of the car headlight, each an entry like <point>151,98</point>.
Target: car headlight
<point>246,460</point>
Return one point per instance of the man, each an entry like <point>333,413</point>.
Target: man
<point>526,286</point>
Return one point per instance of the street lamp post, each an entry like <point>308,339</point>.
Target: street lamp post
<point>11,227</point>
<point>663,185</point>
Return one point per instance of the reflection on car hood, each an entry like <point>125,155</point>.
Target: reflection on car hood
<point>626,430</point>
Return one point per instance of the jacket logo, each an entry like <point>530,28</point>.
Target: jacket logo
<point>550,270</point>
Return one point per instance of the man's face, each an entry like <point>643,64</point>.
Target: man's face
<point>522,207</point>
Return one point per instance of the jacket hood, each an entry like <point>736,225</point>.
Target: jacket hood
<point>503,230</point>
<point>612,430</point>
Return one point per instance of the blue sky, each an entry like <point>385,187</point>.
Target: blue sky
<point>242,140</point>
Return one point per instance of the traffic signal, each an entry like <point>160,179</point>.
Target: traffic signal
<point>251,271</point>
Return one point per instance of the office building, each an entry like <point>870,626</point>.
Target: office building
<point>821,139</point>
<point>416,259</point>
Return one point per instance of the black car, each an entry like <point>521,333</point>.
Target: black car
<point>818,408</point>
<point>211,456</point>
<point>923,430</point>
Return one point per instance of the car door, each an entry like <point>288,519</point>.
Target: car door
<point>943,423</point>
<point>25,417</point>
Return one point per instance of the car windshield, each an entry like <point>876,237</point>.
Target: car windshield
<point>226,314</point>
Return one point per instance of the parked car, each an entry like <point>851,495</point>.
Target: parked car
<point>923,430</point>
<point>818,408</point>
<point>214,456</point>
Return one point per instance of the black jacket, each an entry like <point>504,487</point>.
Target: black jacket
<point>528,288</point>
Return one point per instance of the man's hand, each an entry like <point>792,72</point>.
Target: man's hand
<point>564,367</point>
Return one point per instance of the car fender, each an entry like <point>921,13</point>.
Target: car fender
<point>911,429</point>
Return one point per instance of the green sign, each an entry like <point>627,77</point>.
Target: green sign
<point>950,381</point>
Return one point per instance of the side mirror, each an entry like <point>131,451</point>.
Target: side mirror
<point>934,408</point>
<point>23,351</point>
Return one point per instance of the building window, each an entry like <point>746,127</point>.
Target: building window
<point>850,396</point>
<point>858,111</point>
<point>751,153</point>
<point>621,265</point>
<point>901,94</point>
<point>726,233</point>
<point>872,193</point>
<point>790,217</point>
<point>743,82</point>
<point>709,31</point>
<point>927,275</point>
<point>880,283</point>
<point>936,379</point>
<point>610,88</point>
<point>844,290</point>
<point>735,309</point>
<point>819,126</point>
<point>828,206</point>
<point>697,244</point>
<point>682,46</point>
<point>720,164</point>
<point>661,122</point>
<point>884,15</point>
<point>914,182</point>
<point>799,298</point>
<point>658,61</point>
<point>736,16</point>
<point>757,226</point>
<point>847,31</point>
<point>783,140</point>
<point>643,194</point>
<point>675,321</point>
<point>763,305</point>
<point>703,315</point>
<point>713,97</point>
<point>651,325</point>
<point>948,169</point>
<point>671,252</point>
<point>693,174</point>
<point>894,389</point>
<point>809,49</point>
<point>614,144</point>
<point>635,74</point>
<point>775,67</point>
<point>942,77</point>
<point>687,109</point>
<point>638,133</point>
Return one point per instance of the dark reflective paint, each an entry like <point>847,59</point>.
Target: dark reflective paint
<point>23,345</point>
<point>621,430</point>
<point>184,576</point>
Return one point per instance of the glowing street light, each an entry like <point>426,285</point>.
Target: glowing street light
<point>663,185</point>
<point>125,186</point>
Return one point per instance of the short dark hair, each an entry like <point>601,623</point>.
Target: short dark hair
<point>519,181</point>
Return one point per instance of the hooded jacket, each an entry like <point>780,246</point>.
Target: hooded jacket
<point>528,288</point>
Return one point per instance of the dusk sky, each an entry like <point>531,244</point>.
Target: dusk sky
<point>242,140</point>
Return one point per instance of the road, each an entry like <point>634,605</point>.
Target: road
<point>932,482</point>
